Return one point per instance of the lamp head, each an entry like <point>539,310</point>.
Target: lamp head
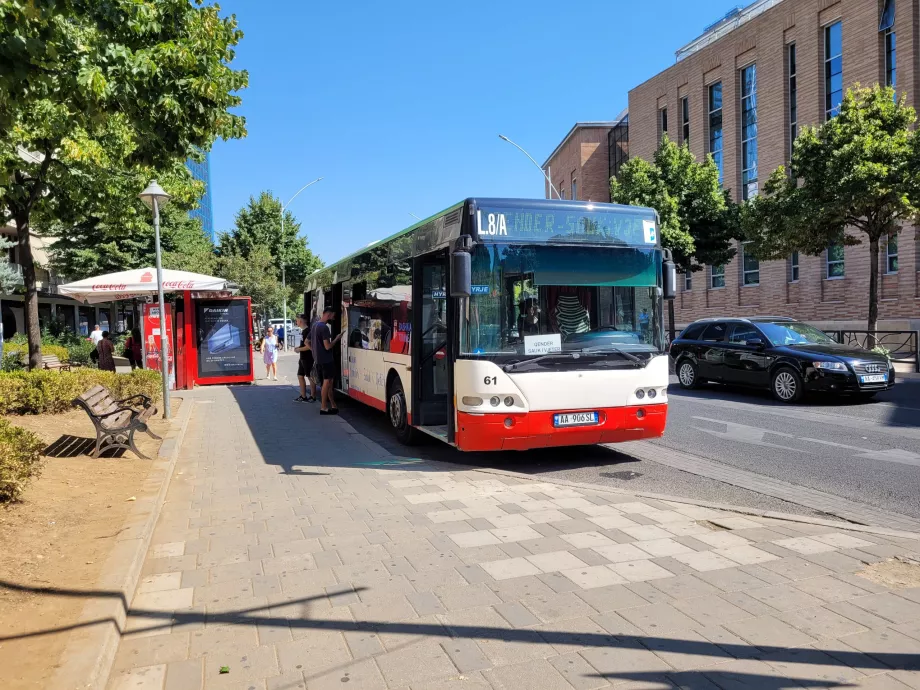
<point>154,191</point>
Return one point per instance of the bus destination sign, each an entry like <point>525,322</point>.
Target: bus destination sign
<point>588,227</point>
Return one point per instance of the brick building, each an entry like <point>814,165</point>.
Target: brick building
<point>581,165</point>
<point>778,65</point>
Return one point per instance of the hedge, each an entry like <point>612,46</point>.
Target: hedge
<point>20,460</point>
<point>16,354</point>
<point>51,392</point>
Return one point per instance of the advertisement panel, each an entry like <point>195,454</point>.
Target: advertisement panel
<point>224,344</point>
<point>153,343</point>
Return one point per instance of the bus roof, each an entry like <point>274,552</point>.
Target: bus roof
<point>543,205</point>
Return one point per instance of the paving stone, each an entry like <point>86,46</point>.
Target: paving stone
<point>621,553</point>
<point>509,568</point>
<point>711,610</point>
<point>184,675</point>
<point>804,545</point>
<point>420,663</point>
<point>466,655</point>
<point>890,647</point>
<point>625,660</point>
<point>820,622</point>
<point>575,526</point>
<point>767,631</point>
<point>830,588</point>
<point>640,571</point>
<point>646,532</point>
<point>514,550</point>
<point>685,587</point>
<point>686,650</point>
<point>514,534</point>
<point>222,637</point>
<point>594,576</point>
<point>556,561</point>
<point>317,651</point>
<point>784,597</point>
<point>158,583</point>
<point>545,545</point>
<point>150,651</point>
<point>704,561</point>
<point>656,618</point>
<point>516,614</point>
<point>586,540</point>
<point>471,574</point>
<point>164,600</point>
<point>480,538</point>
<point>836,562</point>
<point>662,547</point>
<point>589,557</point>
<point>557,607</point>
<point>647,591</point>
<point>465,597</point>
<point>143,678</point>
<point>538,674</point>
<point>613,521</point>
<point>577,672</point>
<point>730,579</point>
<point>611,598</point>
<point>425,603</point>
<point>842,541</point>
<point>889,607</point>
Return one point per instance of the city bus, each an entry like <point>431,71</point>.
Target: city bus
<point>507,324</point>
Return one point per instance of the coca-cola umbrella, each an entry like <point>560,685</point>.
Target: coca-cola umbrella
<point>142,282</point>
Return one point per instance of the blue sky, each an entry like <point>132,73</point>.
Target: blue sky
<point>399,105</point>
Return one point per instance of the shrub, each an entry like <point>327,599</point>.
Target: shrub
<point>52,392</point>
<point>20,460</point>
<point>16,355</point>
<point>79,353</point>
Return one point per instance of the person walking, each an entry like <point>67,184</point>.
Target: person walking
<point>133,349</point>
<point>305,365</point>
<point>106,350</point>
<point>270,354</point>
<point>322,344</point>
<point>281,333</point>
<point>96,335</point>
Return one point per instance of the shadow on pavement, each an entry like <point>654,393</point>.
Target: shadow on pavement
<point>613,643</point>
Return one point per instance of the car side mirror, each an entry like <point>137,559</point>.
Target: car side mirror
<point>755,342</point>
<point>669,280</point>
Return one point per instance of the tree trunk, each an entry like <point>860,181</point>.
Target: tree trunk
<point>871,341</point>
<point>671,320</point>
<point>30,305</point>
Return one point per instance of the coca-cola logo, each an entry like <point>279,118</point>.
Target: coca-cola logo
<point>107,287</point>
<point>179,284</point>
<point>147,277</point>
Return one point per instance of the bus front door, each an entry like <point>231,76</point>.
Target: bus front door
<point>431,347</point>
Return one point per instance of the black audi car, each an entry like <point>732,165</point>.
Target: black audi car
<point>788,357</point>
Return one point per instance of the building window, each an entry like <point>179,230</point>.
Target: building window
<point>886,27</point>
<point>685,120</point>
<point>561,189</point>
<point>794,267</point>
<point>891,255</point>
<point>749,132</point>
<point>793,100</point>
<point>688,281</point>
<point>574,189</point>
<point>750,266</point>
<point>618,147</point>
<point>833,69</point>
<point>662,122</point>
<point>715,125</point>
<point>717,277</point>
<point>835,267</point>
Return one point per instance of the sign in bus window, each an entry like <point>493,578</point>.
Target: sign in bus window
<point>622,228</point>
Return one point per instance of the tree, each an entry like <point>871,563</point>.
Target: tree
<point>697,217</point>
<point>90,247</point>
<point>9,278</point>
<point>857,178</point>
<point>92,93</point>
<point>256,276</point>
<point>258,226</point>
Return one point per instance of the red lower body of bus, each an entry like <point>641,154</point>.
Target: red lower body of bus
<point>529,430</point>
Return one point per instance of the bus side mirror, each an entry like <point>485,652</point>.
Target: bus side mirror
<point>669,280</point>
<point>461,275</point>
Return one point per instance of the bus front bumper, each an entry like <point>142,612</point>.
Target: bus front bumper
<point>479,432</point>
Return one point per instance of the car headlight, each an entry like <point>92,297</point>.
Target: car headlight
<point>831,366</point>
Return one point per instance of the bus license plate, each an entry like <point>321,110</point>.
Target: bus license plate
<point>575,419</point>
<point>875,378</point>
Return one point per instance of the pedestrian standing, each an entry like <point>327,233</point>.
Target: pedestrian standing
<point>270,354</point>
<point>305,365</point>
<point>281,335</point>
<point>133,349</point>
<point>322,343</point>
<point>106,350</point>
<point>96,335</point>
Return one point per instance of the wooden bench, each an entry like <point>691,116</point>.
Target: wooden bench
<point>116,420</point>
<point>54,362</point>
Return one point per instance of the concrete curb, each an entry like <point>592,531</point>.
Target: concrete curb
<point>600,488</point>
<point>90,652</point>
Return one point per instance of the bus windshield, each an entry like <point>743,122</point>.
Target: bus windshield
<point>538,300</point>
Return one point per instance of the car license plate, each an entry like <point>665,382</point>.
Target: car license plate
<point>575,419</point>
<point>875,378</point>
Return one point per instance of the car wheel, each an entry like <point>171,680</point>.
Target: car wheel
<point>686,374</point>
<point>787,385</point>
<point>398,414</point>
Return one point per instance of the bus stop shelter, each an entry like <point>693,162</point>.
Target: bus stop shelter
<point>210,334</point>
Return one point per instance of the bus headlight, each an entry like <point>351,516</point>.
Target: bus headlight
<point>509,401</point>
<point>652,393</point>
<point>640,394</point>
<point>495,401</point>
<point>471,400</point>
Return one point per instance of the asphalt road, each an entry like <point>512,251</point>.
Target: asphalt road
<point>865,452</point>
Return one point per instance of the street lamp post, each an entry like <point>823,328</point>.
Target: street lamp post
<point>155,197</point>
<point>283,258</point>
<point>542,171</point>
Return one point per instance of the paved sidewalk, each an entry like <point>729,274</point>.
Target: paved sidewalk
<point>299,554</point>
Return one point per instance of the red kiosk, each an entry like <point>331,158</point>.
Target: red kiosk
<point>208,328</point>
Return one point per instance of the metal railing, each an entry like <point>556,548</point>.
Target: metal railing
<point>902,346</point>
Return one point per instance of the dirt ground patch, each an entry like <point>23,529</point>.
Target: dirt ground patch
<point>59,537</point>
<point>896,573</point>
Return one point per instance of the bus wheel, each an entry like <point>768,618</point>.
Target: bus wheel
<point>396,409</point>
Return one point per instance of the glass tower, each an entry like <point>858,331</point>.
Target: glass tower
<point>204,212</point>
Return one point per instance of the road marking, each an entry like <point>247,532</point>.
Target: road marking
<point>747,434</point>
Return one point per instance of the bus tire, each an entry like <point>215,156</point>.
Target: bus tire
<point>398,413</point>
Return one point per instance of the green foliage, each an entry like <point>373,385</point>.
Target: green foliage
<point>257,228</point>
<point>78,353</point>
<point>20,460</point>
<point>257,277</point>
<point>697,218</point>
<point>98,97</point>
<point>16,355</point>
<point>9,278</point>
<point>52,392</point>
<point>857,178</point>
<point>90,248</point>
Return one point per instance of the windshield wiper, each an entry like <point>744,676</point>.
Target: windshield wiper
<point>575,354</point>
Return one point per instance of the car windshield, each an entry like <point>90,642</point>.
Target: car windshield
<point>539,300</point>
<point>795,333</point>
